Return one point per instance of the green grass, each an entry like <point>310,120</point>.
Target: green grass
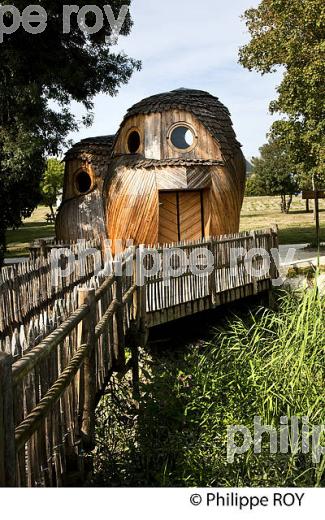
<point>298,227</point>
<point>33,228</point>
<point>268,364</point>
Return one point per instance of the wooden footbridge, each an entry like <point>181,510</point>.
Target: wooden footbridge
<point>60,345</point>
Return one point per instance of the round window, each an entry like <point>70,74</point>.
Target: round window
<point>83,182</point>
<point>134,141</point>
<point>182,137</point>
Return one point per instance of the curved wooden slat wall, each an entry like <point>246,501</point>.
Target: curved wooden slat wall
<point>81,218</point>
<point>132,206</point>
<point>226,195</point>
<point>154,131</point>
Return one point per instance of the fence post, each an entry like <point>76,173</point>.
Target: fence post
<point>43,248</point>
<point>86,336</point>
<point>7,427</point>
<point>142,295</point>
<point>254,264</point>
<point>274,269</point>
<point>212,277</point>
<point>119,337</point>
<point>274,244</point>
<point>275,236</point>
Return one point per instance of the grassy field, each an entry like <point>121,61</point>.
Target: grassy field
<point>258,212</point>
<point>297,227</point>
<point>33,228</point>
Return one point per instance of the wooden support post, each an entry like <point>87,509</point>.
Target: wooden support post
<point>137,329</point>
<point>43,249</point>
<point>275,231</point>
<point>86,336</point>
<point>119,336</point>
<point>254,263</point>
<point>133,274</point>
<point>212,277</point>
<point>137,297</point>
<point>142,295</point>
<point>143,308</point>
<point>7,427</point>
<point>317,221</point>
<point>274,271</point>
<point>269,299</point>
<point>135,371</point>
<point>133,342</point>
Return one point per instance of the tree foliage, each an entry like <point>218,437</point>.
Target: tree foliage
<point>40,75</point>
<point>274,174</point>
<point>52,183</point>
<point>289,35</point>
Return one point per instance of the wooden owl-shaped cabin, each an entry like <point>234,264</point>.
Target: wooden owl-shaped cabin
<point>174,171</point>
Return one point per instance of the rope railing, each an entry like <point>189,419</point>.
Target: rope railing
<point>49,395</point>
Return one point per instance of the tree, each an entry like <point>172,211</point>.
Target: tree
<point>253,188</point>
<point>274,173</point>
<point>52,183</point>
<point>290,35</point>
<point>40,75</point>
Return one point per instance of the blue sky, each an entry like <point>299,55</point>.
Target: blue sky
<point>194,44</point>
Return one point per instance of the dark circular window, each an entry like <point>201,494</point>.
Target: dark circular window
<point>83,182</point>
<point>182,137</point>
<point>134,141</point>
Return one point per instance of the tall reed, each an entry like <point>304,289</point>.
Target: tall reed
<point>267,363</point>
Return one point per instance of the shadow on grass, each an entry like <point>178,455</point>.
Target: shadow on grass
<point>18,240</point>
<point>300,235</point>
<point>302,212</point>
<point>248,215</point>
<point>33,225</point>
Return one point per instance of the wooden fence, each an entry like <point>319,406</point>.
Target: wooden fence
<point>34,300</point>
<point>48,396</point>
<point>184,291</point>
<point>49,392</point>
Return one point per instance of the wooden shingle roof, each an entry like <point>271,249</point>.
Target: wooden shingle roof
<point>205,107</point>
<point>101,145</point>
<point>136,162</point>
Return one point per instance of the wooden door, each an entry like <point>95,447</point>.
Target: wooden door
<point>180,216</point>
<point>168,217</point>
<point>190,215</point>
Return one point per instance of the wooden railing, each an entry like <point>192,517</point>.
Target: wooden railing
<point>172,297</point>
<point>31,306</point>
<point>48,395</point>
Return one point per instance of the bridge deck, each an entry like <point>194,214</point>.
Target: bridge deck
<point>205,303</point>
<point>203,275</point>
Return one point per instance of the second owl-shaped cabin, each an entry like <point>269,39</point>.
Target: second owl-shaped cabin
<point>174,171</point>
